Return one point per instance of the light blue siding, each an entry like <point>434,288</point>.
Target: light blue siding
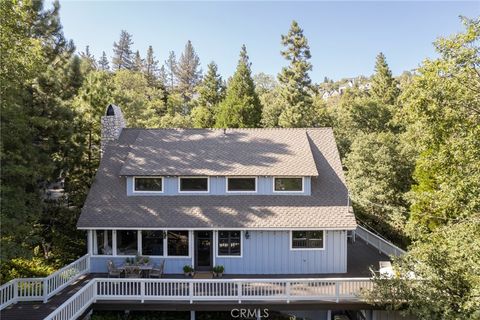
<point>172,265</point>
<point>218,187</point>
<point>268,252</point>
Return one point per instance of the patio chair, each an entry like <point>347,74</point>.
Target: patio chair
<point>133,272</point>
<point>113,271</point>
<point>157,272</point>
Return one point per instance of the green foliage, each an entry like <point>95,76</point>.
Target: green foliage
<point>211,93</point>
<point>241,107</point>
<point>441,107</point>
<point>295,82</point>
<point>188,72</point>
<point>384,86</point>
<point>21,267</point>
<point>122,52</point>
<point>439,277</point>
<point>379,174</point>
<point>103,63</point>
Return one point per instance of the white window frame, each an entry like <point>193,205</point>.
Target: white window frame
<point>286,191</point>
<point>140,242</point>
<point>95,243</point>
<point>148,177</point>
<point>165,245</point>
<point>217,256</point>
<point>197,177</point>
<point>250,191</point>
<point>324,242</point>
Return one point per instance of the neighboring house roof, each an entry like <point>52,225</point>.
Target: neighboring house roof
<point>108,206</point>
<point>219,152</point>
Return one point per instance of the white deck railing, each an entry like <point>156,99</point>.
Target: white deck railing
<point>378,242</point>
<point>38,289</point>
<point>194,290</point>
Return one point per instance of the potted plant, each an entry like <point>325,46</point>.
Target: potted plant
<point>188,270</point>
<point>218,271</point>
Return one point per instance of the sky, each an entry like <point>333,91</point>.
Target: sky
<point>344,37</point>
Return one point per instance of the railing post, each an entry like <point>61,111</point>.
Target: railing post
<point>45,291</point>
<point>142,291</point>
<point>88,264</point>
<point>15,291</point>
<point>337,290</point>
<point>287,291</point>
<point>190,291</point>
<point>239,292</point>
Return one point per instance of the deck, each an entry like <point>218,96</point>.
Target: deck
<point>252,289</point>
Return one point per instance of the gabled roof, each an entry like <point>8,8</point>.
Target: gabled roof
<point>108,206</point>
<point>219,152</point>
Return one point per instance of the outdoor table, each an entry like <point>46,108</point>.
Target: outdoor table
<point>144,268</point>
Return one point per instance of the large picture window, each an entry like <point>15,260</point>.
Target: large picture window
<point>103,242</point>
<point>127,242</point>
<point>152,243</point>
<point>177,243</point>
<point>241,184</point>
<point>288,184</point>
<point>193,184</point>
<point>229,243</point>
<point>308,239</point>
<point>148,184</point>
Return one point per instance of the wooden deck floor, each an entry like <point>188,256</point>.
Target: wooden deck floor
<point>37,310</point>
<point>360,258</point>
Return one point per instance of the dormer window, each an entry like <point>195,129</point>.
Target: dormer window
<point>287,184</point>
<point>242,184</point>
<point>148,184</point>
<point>194,184</point>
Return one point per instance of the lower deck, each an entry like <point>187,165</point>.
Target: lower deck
<point>320,292</point>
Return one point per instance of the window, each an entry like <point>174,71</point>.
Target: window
<point>103,242</point>
<point>152,243</point>
<point>241,184</point>
<point>193,184</point>
<point>229,243</point>
<point>307,239</point>
<point>288,184</point>
<point>177,243</point>
<point>127,242</point>
<point>148,184</point>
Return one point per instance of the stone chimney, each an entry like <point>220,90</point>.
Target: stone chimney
<point>112,125</point>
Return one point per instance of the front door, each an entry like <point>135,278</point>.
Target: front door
<point>203,250</point>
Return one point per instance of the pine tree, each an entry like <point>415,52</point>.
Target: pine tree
<point>122,52</point>
<point>212,92</point>
<point>138,62</point>
<point>188,71</point>
<point>103,62</point>
<point>384,86</point>
<point>151,67</point>
<point>163,76</point>
<point>294,80</point>
<point>171,70</point>
<point>241,107</point>
<point>88,59</point>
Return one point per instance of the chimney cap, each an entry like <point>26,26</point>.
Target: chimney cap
<point>112,110</point>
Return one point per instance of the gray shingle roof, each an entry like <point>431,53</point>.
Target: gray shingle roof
<point>243,152</point>
<point>108,206</point>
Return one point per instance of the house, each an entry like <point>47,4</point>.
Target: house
<point>269,205</point>
<point>257,201</point>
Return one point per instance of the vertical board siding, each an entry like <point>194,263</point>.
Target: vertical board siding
<point>268,252</point>
<point>218,187</point>
<point>265,252</point>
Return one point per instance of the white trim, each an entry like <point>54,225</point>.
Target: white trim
<point>139,241</point>
<point>91,242</point>
<point>214,248</point>
<point>216,244</point>
<point>246,177</point>
<point>287,191</point>
<point>148,191</point>
<point>215,228</point>
<point>324,241</point>
<point>164,244</point>
<point>114,243</point>
<point>197,177</point>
